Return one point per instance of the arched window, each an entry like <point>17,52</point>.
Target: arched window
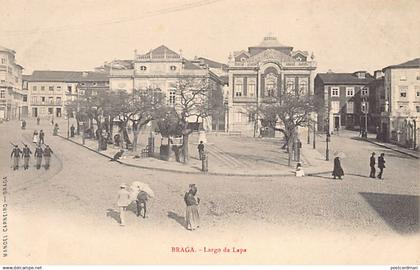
<point>270,85</point>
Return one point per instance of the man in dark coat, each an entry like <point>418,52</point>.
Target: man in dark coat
<point>337,171</point>
<point>200,148</point>
<point>38,156</point>
<point>47,156</point>
<point>141,201</point>
<point>381,165</point>
<point>38,120</point>
<point>16,156</point>
<point>26,155</point>
<point>72,128</point>
<point>41,137</point>
<point>372,166</point>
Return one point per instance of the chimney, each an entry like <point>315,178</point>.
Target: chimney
<point>378,74</point>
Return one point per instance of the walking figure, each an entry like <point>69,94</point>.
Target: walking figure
<point>47,156</point>
<point>191,216</point>
<point>35,138</point>
<point>200,148</point>
<point>55,130</point>
<point>38,156</point>
<point>16,156</point>
<point>72,128</point>
<point>26,156</point>
<point>41,137</point>
<point>338,170</point>
<point>141,201</point>
<point>23,125</point>
<point>123,201</point>
<point>372,166</point>
<point>38,120</point>
<point>381,165</point>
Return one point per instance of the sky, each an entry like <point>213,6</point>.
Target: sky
<point>344,36</point>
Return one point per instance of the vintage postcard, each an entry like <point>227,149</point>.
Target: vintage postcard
<point>218,132</point>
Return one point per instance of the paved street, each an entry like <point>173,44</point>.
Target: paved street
<point>71,209</point>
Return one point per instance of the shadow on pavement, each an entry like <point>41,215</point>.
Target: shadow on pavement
<point>400,212</point>
<point>177,218</point>
<point>114,215</point>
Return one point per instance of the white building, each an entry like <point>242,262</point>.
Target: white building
<point>11,94</point>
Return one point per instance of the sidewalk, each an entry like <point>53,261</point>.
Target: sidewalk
<point>228,156</point>
<point>396,148</point>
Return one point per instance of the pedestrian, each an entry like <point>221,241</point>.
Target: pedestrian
<point>141,202</point>
<point>38,156</point>
<point>23,124</point>
<point>123,201</point>
<point>16,156</point>
<point>337,171</point>
<point>381,165</point>
<point>72,128</point>
<point>26,155</point>
<point>299,170</point>
<point>192,216</point>
<point>41,137</point>
<point>55,130</point>
<point>35,137</point>
<point>47,156</point>
<point>52,120</point>
<point>372,164</point>
<point>38,120</point>
<point>200,148</point>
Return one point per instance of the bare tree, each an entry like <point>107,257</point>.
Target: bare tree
<point>192,106</point>
<point>286,113</point>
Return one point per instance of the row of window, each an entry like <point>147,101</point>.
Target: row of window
<point>36,99</point>
<point>404,77</point>
<point>144,68</point>
<point>335,91</point>
<point>335,107</point>
<point>404,89</point>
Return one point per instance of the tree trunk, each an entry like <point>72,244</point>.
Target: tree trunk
<point>185,153</point>
<point>136,133</point>
<point>290,150</point>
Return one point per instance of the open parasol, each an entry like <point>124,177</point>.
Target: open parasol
<point>138,186</point>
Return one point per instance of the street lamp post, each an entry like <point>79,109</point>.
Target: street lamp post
<point>327,150</point>
<point>68,125</point>
<point>365,103</point>
<point>414,132</point>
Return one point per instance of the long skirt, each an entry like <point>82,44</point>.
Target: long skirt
<point>192,217</point>
<point>35,139</point>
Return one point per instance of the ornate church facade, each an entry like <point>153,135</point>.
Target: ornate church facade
<point>263,71</point>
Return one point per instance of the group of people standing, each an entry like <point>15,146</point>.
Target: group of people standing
<point>339,172</point>
<point>381,165</point>
<point>191,200</point>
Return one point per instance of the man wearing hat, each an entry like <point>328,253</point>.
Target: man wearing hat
<point>47,156</point>
<point>16,156</point>
<point>26,155</point>
<point>372,166</point>
<point>38,156</point>
<point>123,201</point>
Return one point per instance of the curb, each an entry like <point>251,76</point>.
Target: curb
<point>184,172</point>
<point>390,148</point>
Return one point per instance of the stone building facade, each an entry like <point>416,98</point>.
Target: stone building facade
<point>11,94</point>
<point>263,71</point>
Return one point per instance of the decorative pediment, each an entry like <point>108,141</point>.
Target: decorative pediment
<point>270,55</point>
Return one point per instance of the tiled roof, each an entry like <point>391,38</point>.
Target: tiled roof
<point>212,64</point>
<point>189,65</point>
<point>415,63</point>
<point>161,52</point>
<point>66,76</point>
<point>94,77</point>
<point>343,78</point>
<point>4,49</point>
<point>269,42</point>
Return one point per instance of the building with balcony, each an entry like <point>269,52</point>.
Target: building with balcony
<point>49,91</point>
<point>401,113</point>
<point>261,72</point>
<point>347,99</point>
<point>11,95</point>
<point>161,68</point>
